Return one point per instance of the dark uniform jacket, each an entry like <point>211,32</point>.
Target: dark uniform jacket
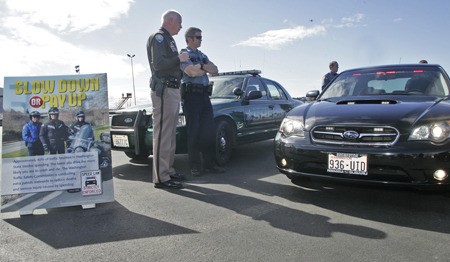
<point>53,135</point>
<point>162,55</point>
<point>76,127</point>
<point>327,79</point>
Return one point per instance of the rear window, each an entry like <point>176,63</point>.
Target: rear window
<point>397,81</point>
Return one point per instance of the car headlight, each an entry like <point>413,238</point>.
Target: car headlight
<point>435,132</point>
<point>291,127</point>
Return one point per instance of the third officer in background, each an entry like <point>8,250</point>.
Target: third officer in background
<point>54,133</point>
<point>334,67</point>
<point>79,123</point>
<point>165,62</point>
<point>81,134</point>
<point>197,106</point>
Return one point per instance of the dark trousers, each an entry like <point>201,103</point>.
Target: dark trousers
<point>57,148</point>
<point>35,149</point>
<point>200,129</point>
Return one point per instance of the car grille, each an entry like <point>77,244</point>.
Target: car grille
<point>126,119</point>
<point>351,135</point>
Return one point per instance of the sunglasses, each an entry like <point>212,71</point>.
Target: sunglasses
<point>199,37</point>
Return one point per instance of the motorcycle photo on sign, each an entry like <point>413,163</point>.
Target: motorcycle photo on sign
<point>83,141</point>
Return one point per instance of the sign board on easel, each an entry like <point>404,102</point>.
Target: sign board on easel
<point>56,148</point>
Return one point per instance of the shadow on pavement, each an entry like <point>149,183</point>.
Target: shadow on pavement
<point>71,227</point>
<point>134,171</point>
<point>252,168</point>
<point>278,216</point>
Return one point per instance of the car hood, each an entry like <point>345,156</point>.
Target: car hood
<point>369,111</point>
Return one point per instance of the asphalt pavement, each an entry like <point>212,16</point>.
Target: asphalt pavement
<point>249,213</point>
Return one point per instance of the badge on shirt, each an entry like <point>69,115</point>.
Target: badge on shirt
<point>159,38</point>
<point>173,46</point>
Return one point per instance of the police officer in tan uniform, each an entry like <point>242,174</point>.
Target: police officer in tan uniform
<point>165,62</point>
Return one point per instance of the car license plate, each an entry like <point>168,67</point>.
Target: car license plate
<point>120,141</point>
<point>344,163</point>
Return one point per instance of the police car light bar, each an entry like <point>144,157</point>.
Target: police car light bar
<point>243,72</point>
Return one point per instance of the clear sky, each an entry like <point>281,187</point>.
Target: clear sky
<point>291,41</point>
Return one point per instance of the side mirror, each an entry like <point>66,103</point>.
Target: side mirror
<point>312,95</point>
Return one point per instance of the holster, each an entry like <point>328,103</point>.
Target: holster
<point>183,90</point>
<point>157,85</point>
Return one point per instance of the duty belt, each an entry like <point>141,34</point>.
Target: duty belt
<point>171,82</point>
<point>197,88</point>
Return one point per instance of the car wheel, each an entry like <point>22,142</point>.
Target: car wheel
<point>224,142</point>
<point>133,156</point>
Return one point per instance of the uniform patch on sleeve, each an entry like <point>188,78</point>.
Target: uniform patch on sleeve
<point>159,38</point>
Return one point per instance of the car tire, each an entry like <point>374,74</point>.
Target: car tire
<point>224,142</point>
<point>133,156</point>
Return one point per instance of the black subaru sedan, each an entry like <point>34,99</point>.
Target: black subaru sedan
<point>385,124</point>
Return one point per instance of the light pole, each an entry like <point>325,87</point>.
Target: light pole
<point>132,75</point>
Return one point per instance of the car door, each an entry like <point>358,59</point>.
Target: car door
<point>258,113</point>
<point>280,103</point>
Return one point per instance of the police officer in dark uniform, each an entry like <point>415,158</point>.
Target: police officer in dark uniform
<point>54,133</point>
<point>197,106</point>
<point>164,61</point>
<point>334,66</point>
<point>30,134</point>
<point>80,132</point>
<point>76,126</point>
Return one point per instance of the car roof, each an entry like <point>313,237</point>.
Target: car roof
<point>393,66</point>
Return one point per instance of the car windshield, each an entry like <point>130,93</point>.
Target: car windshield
<point>223,86</point>
<point>426,81</point>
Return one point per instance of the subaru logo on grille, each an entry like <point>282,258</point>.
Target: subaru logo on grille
<point>351,134</point>
<point>128,120</point>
